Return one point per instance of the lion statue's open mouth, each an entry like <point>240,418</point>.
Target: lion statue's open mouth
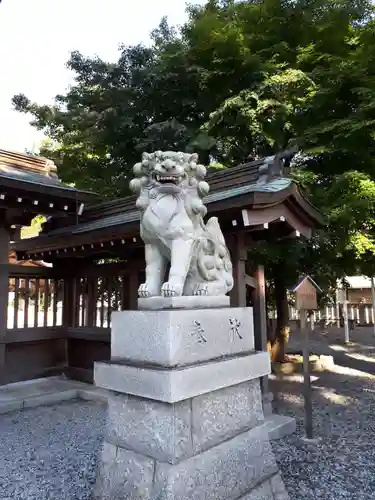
<point>172,179</point>
<point>170,187</point>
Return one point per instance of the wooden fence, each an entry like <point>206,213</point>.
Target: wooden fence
<point>358,314</point>
<point>33,341</point>
<point>329,316</point>
<point>59,319</point>
<point>89,301</point>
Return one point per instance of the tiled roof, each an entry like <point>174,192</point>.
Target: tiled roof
<point>134,215</point>
<point>32,177</point>
<point>31,169</point>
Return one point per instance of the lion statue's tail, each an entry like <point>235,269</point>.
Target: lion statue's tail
<point>213,261</point>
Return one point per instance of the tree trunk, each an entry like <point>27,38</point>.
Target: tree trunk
<point>282,323</point>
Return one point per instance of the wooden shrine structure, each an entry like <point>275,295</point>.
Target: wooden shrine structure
<point>29,186</point>
<point>97,261</point>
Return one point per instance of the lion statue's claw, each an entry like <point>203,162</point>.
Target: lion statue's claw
<point>143,291</point>
<point>201,290</point>
<point>171,290</point>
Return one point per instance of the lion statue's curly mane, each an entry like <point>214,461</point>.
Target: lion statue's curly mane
<point>170,186</point>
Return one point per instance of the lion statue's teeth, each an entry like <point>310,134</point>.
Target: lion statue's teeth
<point>173,229</point>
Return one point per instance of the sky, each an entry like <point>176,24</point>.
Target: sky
<point>37,36</point>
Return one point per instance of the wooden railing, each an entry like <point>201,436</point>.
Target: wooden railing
<point>90,298</point>
<point>33,339</point>
<point>332,316</point>
<point>58,319</point>
<point>96,297</point>
<point>35,297</point>
<point>86,297</point>
<point>94,293</point>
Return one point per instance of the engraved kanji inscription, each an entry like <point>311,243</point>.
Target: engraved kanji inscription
<point>198,332</point>
<point>235,326</point>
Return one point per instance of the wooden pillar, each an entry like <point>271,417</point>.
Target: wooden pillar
<point>92,294</point>
<point>260,312</point>
<point>124,292</point>
<point>4,291</point>
<point>239,256</point>
<point>15,234</point>
<point>260,330</point>
<point>130,290</point>
<point>69,309</point>
<point>133,289</point>
<point>67,305</point>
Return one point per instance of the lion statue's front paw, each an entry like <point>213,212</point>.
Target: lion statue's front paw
<point>143,291</point>
<point>171,290</point>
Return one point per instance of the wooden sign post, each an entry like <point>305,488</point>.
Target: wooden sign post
<point>306,301</point>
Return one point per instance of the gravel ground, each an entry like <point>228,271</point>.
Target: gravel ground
<point>342,464</point>
<point>359,354</point>
<point>50,453</point>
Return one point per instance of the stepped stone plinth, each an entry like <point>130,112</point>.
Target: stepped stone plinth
<point>185,417</point>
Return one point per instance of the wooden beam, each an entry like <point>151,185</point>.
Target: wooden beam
<point>26,335</point>
<point>108,270</point>
<point>43,243</point>
<point>277,213</point>
<point>251,282</point>
<point>18,271</point>
<point>85,270</point>
<point>294,235</point>
<point>90,334</point>
<point>120,248</point>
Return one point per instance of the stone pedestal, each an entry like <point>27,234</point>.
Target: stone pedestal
<point>185,420</point>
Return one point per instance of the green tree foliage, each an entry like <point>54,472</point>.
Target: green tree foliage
<point>262,121</point>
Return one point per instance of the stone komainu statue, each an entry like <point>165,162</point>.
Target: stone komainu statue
<point>170,186</point>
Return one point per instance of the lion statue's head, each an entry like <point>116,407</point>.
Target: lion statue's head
<point>169,172</point>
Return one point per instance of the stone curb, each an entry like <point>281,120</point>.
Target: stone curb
<point>51,398</point>
<point>277,426</point>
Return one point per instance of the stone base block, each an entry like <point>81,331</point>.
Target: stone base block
<point>279,426</point>
<point>171,338</point>
<point>235,469</point>
<point>172,385</point>
<point>213,446</point>
<point>172,432</point>
<point>273,489</point>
